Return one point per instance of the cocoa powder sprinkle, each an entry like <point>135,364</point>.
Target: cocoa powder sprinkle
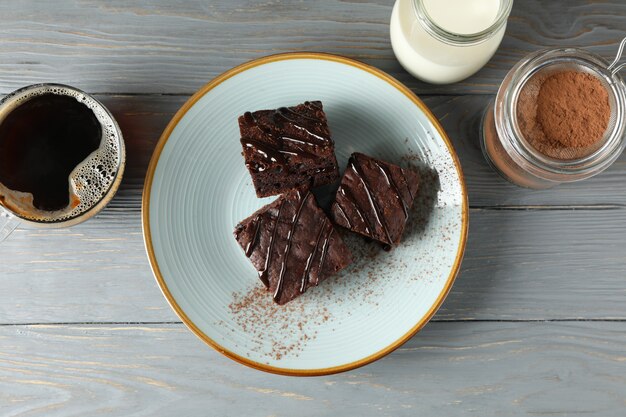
<point>564,115</point>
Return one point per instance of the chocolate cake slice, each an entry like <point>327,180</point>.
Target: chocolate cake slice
<point>288,147</point>
<point>374,198</point>
<point>292,244</point>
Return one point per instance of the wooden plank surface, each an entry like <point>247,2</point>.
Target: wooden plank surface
<point>98,271</point>
<point>449,369</point>
<point>461,117</point>
<point>535,324</point>
<point>176,46</point>
<point>519,265</point>
<point>143,118</point>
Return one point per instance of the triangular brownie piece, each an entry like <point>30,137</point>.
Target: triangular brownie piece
<point>288,147</point>
<point>292,244</point>
<point>374,198</point>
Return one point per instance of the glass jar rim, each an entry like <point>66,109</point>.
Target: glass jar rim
<point>539,164</point>
<point>461,39</point>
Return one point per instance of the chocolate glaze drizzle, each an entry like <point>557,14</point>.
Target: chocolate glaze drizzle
<point>288,115</point>
<point>270,246</point>
<point>264,149</point>
<point>274,150</point>
<point>394,187</point>
<point>324,169</point>
<point>298,151</point>
<point>252,243</point>
<point>406,182</point>
<point>304,282</point>
<point>356,167</point>
<point>325,249</point>
<point>348,196</point>
<point>343,214</point>
<point>283,266</point>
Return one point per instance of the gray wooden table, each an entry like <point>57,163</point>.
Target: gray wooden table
<point>535,324</point>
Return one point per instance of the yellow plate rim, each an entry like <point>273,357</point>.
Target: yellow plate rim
<point>145,211</point>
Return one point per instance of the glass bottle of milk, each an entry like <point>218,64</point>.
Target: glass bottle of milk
<point>445,41</point>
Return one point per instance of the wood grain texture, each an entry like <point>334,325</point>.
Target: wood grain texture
<point>176,46</point>
<point>520,264</point>
<point>449,369</point>
<point>461,118</point>
<point>499,345</point>
<point>143,118</point>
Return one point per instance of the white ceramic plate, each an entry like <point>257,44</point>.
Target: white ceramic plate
<point>197,189</point>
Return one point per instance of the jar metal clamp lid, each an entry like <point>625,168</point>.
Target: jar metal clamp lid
<point>510,154</point>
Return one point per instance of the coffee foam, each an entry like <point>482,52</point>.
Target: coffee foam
<point>90,181</point>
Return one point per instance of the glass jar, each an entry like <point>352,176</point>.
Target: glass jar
<point>511,155</point>
<point>447,46</point>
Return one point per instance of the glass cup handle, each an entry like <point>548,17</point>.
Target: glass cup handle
<point>8,223</point>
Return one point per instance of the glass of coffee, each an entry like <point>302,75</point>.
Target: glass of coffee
<point>62,157</point>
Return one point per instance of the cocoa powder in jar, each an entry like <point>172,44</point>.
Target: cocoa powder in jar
<point>564,115</point>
